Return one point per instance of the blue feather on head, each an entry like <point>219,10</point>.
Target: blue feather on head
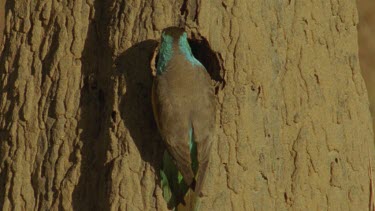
<point>172,38</point>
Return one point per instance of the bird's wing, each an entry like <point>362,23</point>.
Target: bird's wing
<point>173,124</point>
<point>203,120</point>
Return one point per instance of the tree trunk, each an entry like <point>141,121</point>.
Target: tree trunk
<point>77,132</point>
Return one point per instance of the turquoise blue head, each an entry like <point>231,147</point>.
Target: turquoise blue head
<point>174,41</point>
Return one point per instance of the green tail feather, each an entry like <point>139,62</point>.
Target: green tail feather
<point>172,183</point>
<point>193,152</point>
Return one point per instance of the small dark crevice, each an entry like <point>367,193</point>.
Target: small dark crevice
<point>317,78</point>
<point>113,116</point>
<point>51,111</point>
<point>183,9</point>
<point>252,87</point>
<point>286,197</point>
<point>264,176</point>
<point>196,11</point>
<point>33,70</point>
<point>224,5</point>
<point>55,194</point>
<point>183,14</point>
<point>120,10</point>
<point>259,90</point>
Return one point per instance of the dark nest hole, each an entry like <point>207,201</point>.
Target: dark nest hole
<point>202,51</point>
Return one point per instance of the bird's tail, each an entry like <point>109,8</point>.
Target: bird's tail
<point>178,195</point>
<point>176,192</point>
<point>172,183</point>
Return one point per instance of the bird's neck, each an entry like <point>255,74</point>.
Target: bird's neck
<point>165,54</point>
<point>168,49</point>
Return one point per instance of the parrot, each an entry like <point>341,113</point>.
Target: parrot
<point>183,102</point>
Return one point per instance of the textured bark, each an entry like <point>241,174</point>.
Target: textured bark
<point>2,22</point>
<point>76,124</point>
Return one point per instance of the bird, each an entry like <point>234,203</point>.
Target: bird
<point>183,102</point>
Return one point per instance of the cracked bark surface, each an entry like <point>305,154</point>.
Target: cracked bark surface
<point>76,124</point>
